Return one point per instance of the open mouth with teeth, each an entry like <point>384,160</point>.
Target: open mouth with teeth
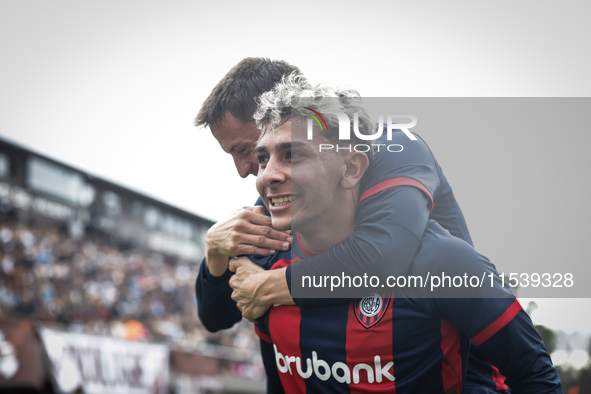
<point>281,201</point>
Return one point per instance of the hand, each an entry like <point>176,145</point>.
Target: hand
<point>247,231</point>
<point>247,283</point>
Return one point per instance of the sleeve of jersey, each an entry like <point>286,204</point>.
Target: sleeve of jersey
<point>519,353</point>
<point>259,202</point>
<point>493,319</point>
<point>215,307</point>
<point>413,165</point>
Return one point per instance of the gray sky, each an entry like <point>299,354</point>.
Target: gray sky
<point>112,87</point>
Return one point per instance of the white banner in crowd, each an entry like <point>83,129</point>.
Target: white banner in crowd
<point>105,366</point>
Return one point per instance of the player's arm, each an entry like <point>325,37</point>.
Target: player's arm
<point>215,307</point>
<point>246,285</point>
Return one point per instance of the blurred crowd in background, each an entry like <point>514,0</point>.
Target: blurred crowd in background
<point>106,287</point>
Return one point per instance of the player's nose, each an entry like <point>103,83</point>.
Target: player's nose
<point>244,167</point>
<point>275,172</point>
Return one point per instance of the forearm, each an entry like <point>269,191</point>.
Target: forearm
<point>274,289</point>
<point>255,289</point>
<point>216,264</point>
<point>384,243</point>
<point>215,307</point>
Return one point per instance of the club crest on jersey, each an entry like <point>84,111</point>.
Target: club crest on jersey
<point>370,310</point>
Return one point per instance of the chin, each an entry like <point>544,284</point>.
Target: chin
<point>280,225</point>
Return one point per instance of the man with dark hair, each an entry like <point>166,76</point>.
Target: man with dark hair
<point>405,191</point>
<point>228,109</point>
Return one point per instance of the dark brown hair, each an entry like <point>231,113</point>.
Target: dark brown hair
<point>238,90</point>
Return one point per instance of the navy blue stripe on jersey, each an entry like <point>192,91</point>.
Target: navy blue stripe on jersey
<point>264,336</point>
<point>421,365</point>
<point>273,380</point>
<point>325,345</point>
<point>499,323</point>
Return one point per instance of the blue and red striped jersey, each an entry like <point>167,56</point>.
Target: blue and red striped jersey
<point>384,203</point>
<point>400,340</point>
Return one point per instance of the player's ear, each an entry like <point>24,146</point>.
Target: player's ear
<point>356,165</point>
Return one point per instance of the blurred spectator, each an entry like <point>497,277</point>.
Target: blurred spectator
<point>93,286</point>
<point>134,330</point>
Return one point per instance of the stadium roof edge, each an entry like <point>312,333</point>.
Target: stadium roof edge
<point>4,140</point>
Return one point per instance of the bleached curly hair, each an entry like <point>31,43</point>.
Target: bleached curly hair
<point>292,97</point>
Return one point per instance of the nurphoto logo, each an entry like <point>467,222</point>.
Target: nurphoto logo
<point>345,130</point>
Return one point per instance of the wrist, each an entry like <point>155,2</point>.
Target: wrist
<point>274,290</point>
<point>216,264</point>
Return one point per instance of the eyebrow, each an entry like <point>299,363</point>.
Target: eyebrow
<point>282,146</point>
<point>236,147</point>
<point>293,144</point>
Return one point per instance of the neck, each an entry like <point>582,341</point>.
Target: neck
<point>338,226</point>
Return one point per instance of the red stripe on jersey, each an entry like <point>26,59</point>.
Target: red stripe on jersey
<point>279,264</point>
<point>497,377</point>
<point>363,346</point>
<point>451,366</point>
<point>285,320</point>
<point>395,182</point>
<point>262,335</point>
<point>499,323</point>
<point>284,263</point>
